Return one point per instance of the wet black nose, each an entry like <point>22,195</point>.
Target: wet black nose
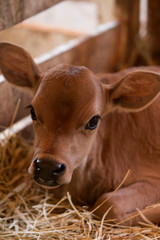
<point>47,171</point>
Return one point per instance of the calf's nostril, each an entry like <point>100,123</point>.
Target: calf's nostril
<point>36,164</point>
<point>60,168</point>
<point>36,161</point>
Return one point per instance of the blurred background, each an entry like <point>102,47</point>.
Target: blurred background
<point>60,23</point>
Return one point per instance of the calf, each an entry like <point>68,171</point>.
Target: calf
<point>90,130</point>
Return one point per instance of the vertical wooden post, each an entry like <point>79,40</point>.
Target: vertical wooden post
<point>127,12</point>
<point>153,30</point>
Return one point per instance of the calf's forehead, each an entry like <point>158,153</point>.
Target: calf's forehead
<point>68,84</point>
<point>67,90</point>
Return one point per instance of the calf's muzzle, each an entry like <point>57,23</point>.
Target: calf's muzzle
<point>47,171</point>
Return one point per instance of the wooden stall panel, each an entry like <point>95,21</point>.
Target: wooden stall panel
<point>15,11</point>
<point>99,52</point>
<point>9,96</point>
<point>153,31</point>
<point>128,14</point>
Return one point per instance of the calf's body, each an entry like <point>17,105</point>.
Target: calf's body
<point>90,130</point>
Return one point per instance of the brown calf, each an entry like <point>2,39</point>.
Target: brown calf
<point>90,130</point>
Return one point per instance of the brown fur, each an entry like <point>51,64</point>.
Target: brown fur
<point>127,136</point>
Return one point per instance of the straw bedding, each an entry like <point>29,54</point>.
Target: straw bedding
<point>30,212</point>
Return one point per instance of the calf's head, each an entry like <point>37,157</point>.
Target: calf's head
<point>68,105</point>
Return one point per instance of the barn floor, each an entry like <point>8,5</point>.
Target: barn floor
<point>29,212</point>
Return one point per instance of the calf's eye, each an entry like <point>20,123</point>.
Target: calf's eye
<point>32,112</point>
<point>93,122</point>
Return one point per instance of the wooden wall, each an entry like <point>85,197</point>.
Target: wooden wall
<point>15,11</point>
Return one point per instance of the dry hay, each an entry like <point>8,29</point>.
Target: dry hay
<point>29,212</point>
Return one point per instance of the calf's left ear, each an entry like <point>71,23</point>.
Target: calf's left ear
<point>17,66</point>
<point>134,92</point>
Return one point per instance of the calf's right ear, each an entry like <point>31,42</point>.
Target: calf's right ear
<point>17,66</point>
<point>133,92</point>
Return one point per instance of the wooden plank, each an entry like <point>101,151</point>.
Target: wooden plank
<point>98,52</point>
<point>15,128</point>
<point>9,96</point>
<point>15,11</point>
<point>153,30</point>
<point>128,15</point>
